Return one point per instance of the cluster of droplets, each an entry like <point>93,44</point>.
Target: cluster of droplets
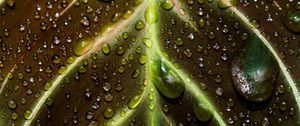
<point>204,45</point>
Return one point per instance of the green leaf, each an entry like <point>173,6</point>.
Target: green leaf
<point>149,62</point>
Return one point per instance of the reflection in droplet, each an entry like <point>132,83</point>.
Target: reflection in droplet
<point>135,100</point>
<point>292,21</point>
<point>83,46</point>
<point>254,71</point>
<point>201,112</point>
<point>166,81</point>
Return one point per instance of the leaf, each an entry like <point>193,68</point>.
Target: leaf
<point>151,62</point>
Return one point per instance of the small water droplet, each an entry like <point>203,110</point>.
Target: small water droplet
<point>109,112</point>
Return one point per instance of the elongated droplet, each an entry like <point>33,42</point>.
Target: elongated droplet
<point>254,71</point>
<point>167,82</point>
<point>292,21</point>
<point>201,112</point>
<point>83,46</point>
<point>135,100</point>
<point>106,49</point>
<point>151,15</point>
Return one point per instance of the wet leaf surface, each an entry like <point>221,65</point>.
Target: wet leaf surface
<point>149,62</point>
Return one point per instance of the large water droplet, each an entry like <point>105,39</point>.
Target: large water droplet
<point>292,21</point>
<point>167,81</point>
<point>254,71</point>
<point>83,46</point>
<point>151,15</point>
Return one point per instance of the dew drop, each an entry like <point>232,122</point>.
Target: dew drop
<point>135,100</point>
<point>167,4</point>
<point>151,15</point>
<point>292,21</point>
<point>109,112</point>
<point>223,4</point>
<point>47,86</point>
<point>147,42</point>
<point>12,104</point>
<point>14,116</point>
<point>127,13</point>
<point>167,81</point>
<point>143,59</point>
<point>28,114</point>
<point>139,25</point>
<point>62,69</point>
<point>254,71</point>
<point>83,46</point>
<point>106,49</point>
<point>201,112</point>
<point>201,1</point>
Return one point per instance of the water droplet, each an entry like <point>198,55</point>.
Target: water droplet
<point>10,75</point>
<point>116,17</point>
<point>179,41</point>
<point>201,112</point>
<point>12,104</point>
<point>292,21</point>
<point>14,116</point>
<point>218,79</point>
<point>143,59</point>
<point>106,49</point>
<point>139,25</point>
<point>127,13</point>
<point>56,59</point>
<point>230,102</point>
<point>201,1</point>
<point>23,100</point>
<point>151,106</point>
<point>167,4</point>
<point>47,86</point>
<point>109,112</point>
<point>283,106</point>
<point>85,21</point>
<point>135,100</point>
<point>255,23</point>
<point>82,69</point>
<point>223,4</point>
<point>28,114</point>
<point>83,46</point>
<point>211,35</point>
<point>120,50</point>
<point>254,71</point>
<point>151,15</point>
<point>136,73</point>
<point>147,42</point>
<point>281,89</point>
<point>167,81</point>
<point>71,59</point>
<point>49,101</point>
<point>11,4</point>
<point>62,69</point>
<point>188,53</point>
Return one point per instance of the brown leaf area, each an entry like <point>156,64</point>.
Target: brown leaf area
<point>38,37</point>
